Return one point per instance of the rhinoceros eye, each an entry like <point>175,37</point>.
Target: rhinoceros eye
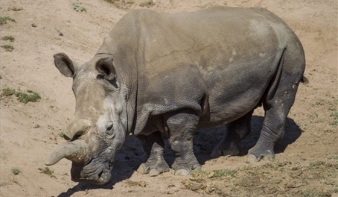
<point>110,131</point>
<point>110,127</point>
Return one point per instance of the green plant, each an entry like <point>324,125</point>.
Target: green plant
<point>199,173</point>
<point>225,172</point>
<point>147,4</point>
<point>47,171</point>
<point>9,38</point>
<point>61,134</point>
<point>320,102</point>
<point>334,122</point>
<point>8,47</point>
<point>331,107</point>
<point>30,97</point>
<point>318,121</point>
<point>314,193</point>
<point>4,19</point>
<point>78,8</point>
<point>16,171</point>
<point>8,92</point>
<point>334,116</point>
<point>315,164</point>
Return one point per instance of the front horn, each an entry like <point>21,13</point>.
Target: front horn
<point>76,151</point>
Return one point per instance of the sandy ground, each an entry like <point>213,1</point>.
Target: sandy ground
<point>29,132</point>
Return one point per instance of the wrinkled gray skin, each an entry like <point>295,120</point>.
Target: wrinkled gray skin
<point>159,75</point>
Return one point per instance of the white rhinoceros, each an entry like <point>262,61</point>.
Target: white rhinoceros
<point>167,75</point>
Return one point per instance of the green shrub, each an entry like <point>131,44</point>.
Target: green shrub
<point>9,38</point>
<point>47,171</point>
<point>61,134</point>
<point>147,4</point>
<point>8,92</point>
<point>225,172</point>
<point>16,171</point>
<point>78,8</point>
<point>30,97</point>
<point>334,116</point>
<point>4,19</point>
<point>314,193</point>
<point>8,47</point>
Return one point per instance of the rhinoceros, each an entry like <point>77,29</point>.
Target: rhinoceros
<point>166,75</point>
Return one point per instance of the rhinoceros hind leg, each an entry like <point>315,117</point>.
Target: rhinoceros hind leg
<point>154,147</point>
<point>277,104</point>
<point>235,131</point>
<point>225,148</point>
<point>272,129</point>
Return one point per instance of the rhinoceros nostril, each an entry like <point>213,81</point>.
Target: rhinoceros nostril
<point>76,129</point>
<point>75,137</point>
<point>72,137</point>
<point>100,174</point>
<point>65,137</point>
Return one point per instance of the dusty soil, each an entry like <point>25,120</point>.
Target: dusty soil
<point>306,162</point>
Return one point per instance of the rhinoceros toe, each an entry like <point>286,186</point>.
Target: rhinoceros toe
<point>152,170</point>
<point>143,169</point>
<point>257,156</point>
<point>182,172</point>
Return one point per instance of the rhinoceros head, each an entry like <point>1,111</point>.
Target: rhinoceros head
<point>98,128</point>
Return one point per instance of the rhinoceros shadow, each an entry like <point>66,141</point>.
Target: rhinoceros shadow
<point>132,155</point>
<point>207,139</point>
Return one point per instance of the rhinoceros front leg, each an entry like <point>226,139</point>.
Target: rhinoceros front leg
<point>235,131</point>
<point>182,126</point>
<point>153,145</point>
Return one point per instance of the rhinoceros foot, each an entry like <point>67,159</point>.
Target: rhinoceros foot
<point>225,150</point>
<point>258,153</point>
<point>184,169</point>
<point>153,170</point>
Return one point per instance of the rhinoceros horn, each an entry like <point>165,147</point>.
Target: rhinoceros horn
<point>76,151</point>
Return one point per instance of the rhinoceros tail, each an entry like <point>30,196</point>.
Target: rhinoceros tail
<point>304,80</point>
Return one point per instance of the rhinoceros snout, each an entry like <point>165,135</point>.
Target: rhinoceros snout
<point>93,172</point>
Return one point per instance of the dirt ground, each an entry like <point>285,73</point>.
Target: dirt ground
<point>306,162</point>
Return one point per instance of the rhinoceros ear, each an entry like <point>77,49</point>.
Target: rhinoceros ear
<point>105,67</point>
<point>64,64</point>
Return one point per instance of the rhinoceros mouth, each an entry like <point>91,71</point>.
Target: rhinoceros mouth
<point>92,172</point>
